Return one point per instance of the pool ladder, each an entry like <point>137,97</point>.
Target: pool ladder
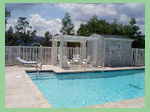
<point>40,67</point>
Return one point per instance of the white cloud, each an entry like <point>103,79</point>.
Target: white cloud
<point>58,20</point>
<point>42,25</point>
<point>132,4</point>
<point>142,28</point>
<point>122,12</point>
<point>77,25</point>
<point>11,22</point>
<point>124,19</point>
<point>83,12</point>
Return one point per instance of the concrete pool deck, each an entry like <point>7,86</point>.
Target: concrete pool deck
<point>21,92</point>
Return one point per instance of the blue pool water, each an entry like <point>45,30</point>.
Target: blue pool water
<point>72,90</point>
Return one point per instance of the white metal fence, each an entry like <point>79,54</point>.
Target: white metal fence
<point>27,53</point>
<point>44,54</point>
<point>34,53</point>
<point>138,57</point>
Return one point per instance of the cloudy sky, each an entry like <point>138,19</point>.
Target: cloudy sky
<point>47,17</point>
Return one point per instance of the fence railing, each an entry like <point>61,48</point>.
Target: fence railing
<point>27,53</point>
<point>44,54</point>
<point>138,57</point>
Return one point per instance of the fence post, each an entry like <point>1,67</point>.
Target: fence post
<point>131,56</point>
<point>10,56</point>
<point>136,54</point>
<point>41,53</point>
<point>5,56</point>
<point>19,51</point>
<point>30,53</point>
<point>23,52</point>
<point>36,53</point>
<point>103,53</point>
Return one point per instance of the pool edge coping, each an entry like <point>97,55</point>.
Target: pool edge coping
<point>88,70</point>
<point>43,103</point>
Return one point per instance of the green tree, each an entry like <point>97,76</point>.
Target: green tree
<point>47,41</point>
<point>120,29</point>
<point>93,25</point>
<point>114,26</point>
<point>67,25</point>
<point>10,38</point>
<point>104,27</point>
<point>23,31</point>
<point>139,43</point>
<point>132,30</point>
<point>83,30</point>
<point>7,15</point>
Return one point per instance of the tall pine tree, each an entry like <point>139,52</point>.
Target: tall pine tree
<point>67,25</point>
<point>47,41</point>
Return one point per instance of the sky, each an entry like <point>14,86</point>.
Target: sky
<point>47,16</point>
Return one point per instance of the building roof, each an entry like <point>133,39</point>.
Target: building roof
<point>113,36</point>
<point>105,36</point>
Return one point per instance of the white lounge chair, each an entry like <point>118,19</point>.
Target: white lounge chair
<point>22,61</point>
<point>86,61</point>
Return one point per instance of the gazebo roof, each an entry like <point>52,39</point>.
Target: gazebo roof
<point>72,38</point>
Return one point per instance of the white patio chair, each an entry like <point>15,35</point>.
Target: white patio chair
<point>59,57</point>
<point>64,59</point>
<point>76,58</point>
<point>86,61</point>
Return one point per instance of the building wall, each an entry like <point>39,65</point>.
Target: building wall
<point>95,49</point>
<point>117,53</point>
<point>100,52</point>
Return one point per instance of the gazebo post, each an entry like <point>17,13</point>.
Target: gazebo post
<point>54,52</point>
<point>83,49</point>
<point>61,51</point>
<point>104,54</point>
<point>95,52</point>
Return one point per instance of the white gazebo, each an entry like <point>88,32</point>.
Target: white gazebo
<point>87,44</point>
<point>104,50</point>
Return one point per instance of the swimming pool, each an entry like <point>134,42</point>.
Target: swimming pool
<point>72,90</point>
